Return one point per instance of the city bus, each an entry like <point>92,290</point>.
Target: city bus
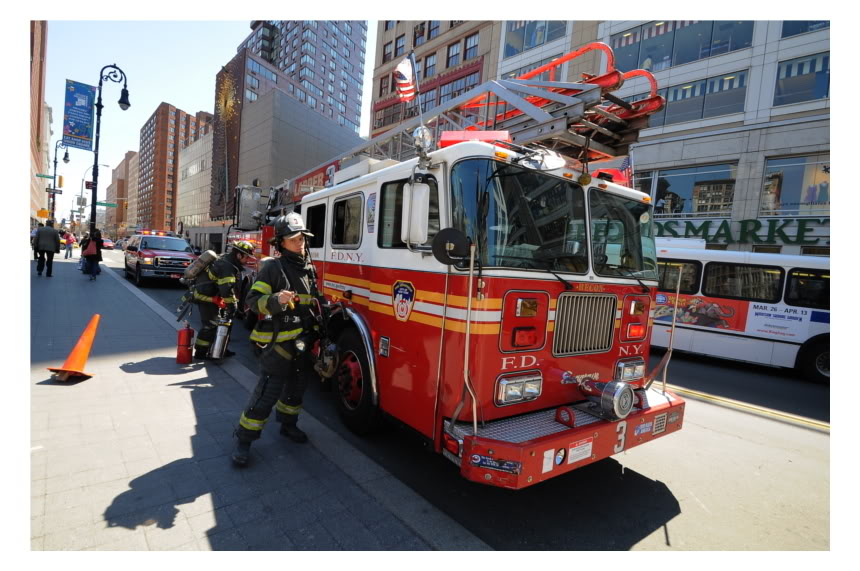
<point>770,309</point>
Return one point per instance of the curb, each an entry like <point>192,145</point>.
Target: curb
<point>434,527</point>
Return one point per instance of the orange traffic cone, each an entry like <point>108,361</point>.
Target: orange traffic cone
<point>76,360</point>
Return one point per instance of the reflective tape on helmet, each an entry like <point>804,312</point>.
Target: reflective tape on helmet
<point>252,423</point>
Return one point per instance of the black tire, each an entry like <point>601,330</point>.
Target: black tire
<point>352,386</point>
<point>814,361</point>
<point>125,271</point>
<point>138,279</point>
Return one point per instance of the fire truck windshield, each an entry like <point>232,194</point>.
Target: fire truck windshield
<point>522,218</point>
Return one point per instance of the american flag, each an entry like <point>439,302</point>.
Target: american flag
<point>404,79</point>
<point>627,169</point>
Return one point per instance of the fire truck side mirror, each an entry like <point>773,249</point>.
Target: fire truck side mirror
<point>416,213</point>
<point>450,246</point>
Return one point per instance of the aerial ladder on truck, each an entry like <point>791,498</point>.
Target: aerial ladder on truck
<point>591,129</point>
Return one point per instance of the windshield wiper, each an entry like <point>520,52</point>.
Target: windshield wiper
<point>629,273</point>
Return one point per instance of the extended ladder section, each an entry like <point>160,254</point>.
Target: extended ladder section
<point>582,120</point>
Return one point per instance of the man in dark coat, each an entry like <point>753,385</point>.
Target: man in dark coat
<point>46,243</point>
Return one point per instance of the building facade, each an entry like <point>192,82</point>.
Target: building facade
<point>40,125</point>
<point>320,64</point>
<point>740,155</point>
<point>195,184</point>
<point>131,202</point>
<point>164,134</point>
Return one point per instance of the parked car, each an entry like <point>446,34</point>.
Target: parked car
<point>107,244</point>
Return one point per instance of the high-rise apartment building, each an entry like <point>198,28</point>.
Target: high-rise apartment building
<point>164,134</point>
<point>40,125</point>
<point>131,209</point>
<point>319,67</point>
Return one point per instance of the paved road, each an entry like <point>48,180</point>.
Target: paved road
<point>727,481</point>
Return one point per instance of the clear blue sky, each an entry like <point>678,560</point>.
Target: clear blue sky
<point>168,61</point>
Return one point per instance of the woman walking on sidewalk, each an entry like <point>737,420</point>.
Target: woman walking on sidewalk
<point>91,251</point>
<point>70,241</point>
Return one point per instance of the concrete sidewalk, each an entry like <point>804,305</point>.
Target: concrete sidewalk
<point>137,457</point>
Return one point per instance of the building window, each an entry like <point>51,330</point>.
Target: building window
<point>702,191</point>
<point>453,55</point>
<point>433,29</point>
<point>430,65</point>
<point>400,45</point>
<point>418,36</point>
<point>765,249</point>
<point>428,99</point>
<point>524,35</point>
<point>796,186</point>
<point>660,45</point>
<point>803,79</point>
<point>795,27</point>
<point>386,52</point>
<point>711,97</point>
<point>523,70</point>
<point>389,25</point>
<point>253,82</point>
<point>471,47</point>
<point>383,86</point>
<point>458,87</point>
<point>418,70</point>
<point>815,251</point>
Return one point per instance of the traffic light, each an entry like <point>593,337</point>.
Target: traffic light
<point>60,184</point>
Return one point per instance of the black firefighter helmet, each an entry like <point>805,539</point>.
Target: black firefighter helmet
<point>288,226</point>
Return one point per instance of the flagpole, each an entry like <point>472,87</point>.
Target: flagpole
<point>417,86</point>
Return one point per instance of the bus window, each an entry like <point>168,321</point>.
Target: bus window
<point>742,281</point>
<point>690,275</point>
<point>808,288</point>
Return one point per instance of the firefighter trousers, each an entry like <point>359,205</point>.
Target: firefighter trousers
<point>208,327</point>
<point>284,376</point>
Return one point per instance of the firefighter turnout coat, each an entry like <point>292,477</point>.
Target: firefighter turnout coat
<point>219,279</point>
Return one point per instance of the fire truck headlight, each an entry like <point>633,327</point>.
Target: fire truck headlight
<point>617,399</point>
<point>630,370</point>
<point>518,389</point>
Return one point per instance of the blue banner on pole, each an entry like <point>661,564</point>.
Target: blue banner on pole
<point>78,115</point>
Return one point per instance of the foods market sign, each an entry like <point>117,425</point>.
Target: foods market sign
<point>800,231</point>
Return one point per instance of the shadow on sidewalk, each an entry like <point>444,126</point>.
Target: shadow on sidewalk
<point>160,366</point>
<point>238,496</point>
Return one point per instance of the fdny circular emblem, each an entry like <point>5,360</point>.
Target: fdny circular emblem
<point>403,294</point>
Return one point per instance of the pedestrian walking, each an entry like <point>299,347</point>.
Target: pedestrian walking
<point>282,295</point>
<point>33,240</point>
<point>91,251</point>
<point>219,280</point>
<point>70,242</point>
<point>47,243</point>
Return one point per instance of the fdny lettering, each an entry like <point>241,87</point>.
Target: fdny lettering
<point>356,257</point>
<point>630,350</point>
<point>593,288</point>
<point>524,362</point>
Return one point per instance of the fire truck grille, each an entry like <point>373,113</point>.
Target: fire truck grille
<point>170,263</point>
<point>584,323</point>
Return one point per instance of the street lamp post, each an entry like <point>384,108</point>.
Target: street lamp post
<point>116,75</point>
<point>65,160</point>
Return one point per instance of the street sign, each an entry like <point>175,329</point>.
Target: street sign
<point>89,185</point>
<point>108,204</point>
<point>44,175</point>
<point>82,201</point>
<point>54,190</point>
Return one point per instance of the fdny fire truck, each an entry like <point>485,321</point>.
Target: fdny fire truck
<point>493,277</point>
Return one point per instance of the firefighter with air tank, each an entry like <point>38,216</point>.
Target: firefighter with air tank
<point>283,296</point>
<point>215,292</point>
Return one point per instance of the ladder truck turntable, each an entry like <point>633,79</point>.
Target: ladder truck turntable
<point>495,294</point>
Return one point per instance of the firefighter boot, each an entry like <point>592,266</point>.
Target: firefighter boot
<point>291,431</point>
<point>241,453</point>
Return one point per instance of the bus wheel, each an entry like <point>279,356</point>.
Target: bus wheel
<point>815,363</point>
<point>353,390</point>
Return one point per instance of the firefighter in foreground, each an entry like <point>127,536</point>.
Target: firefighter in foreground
<point>282,296</point>
<point>218,281</point>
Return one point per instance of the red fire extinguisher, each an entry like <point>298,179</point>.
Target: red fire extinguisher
<point>183,344</point>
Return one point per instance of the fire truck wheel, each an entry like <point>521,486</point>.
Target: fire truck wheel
<point>138,279</point>
<point>353,390</point>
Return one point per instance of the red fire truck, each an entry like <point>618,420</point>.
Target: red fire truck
<point>497,293</point>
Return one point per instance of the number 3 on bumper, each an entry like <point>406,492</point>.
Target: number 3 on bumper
<point>621,429</point>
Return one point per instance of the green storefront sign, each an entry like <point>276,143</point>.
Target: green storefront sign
<point>796,231</point>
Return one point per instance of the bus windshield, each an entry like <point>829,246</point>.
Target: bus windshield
<point>522,218</point>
